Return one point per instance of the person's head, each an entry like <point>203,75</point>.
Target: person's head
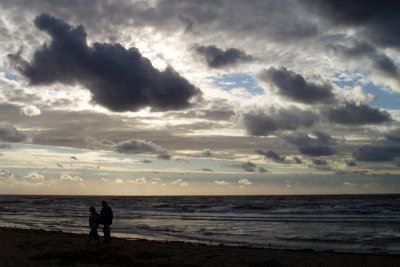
<point>92,209</point>
<point>104,203</point>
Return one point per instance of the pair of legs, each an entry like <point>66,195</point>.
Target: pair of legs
<point>107,233</point>
<point>93,235</point>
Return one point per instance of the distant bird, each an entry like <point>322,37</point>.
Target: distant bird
<point>59,165</point>
<point>72,157</point>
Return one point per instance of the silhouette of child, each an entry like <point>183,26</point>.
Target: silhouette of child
<point>93,218</point>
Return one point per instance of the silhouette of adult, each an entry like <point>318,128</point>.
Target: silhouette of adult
<point>106,217</point>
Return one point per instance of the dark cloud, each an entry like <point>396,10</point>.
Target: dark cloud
<point>206,152</point>
<point>393,136</point>
<point>380,61</point>
<point>320,145</point>
<point>377,20</point>
<point>119,79</point>
<point>164,156</point>
<point>262,170</point>
<point>377,153</point>
<point>297,160</point>
<point>320,162</point>
<point>270,154</point>
<point>266,122</point>
<point>217,58</point>
<point>295,87</point>
<point>246,166</point>
<point>9,133</point>
<point>138,146</point>
<point>5,146</point>
<point>351,163</point>
<point>357,114</point>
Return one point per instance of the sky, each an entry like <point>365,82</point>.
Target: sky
<point>210,97</point>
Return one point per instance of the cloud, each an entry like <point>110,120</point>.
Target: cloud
<point>5,146</point>
<point>138,146</point>
<point>393,136</point>
<point>5,173</point>
<point>119,181</point>
<point>320,162</point>
<point>141,180</point>
<point>119,79</point>
<point>246,166</point>
<point>318,145</point>
<point>244,182</point>
<point>375,20</point>
<point>9,133</point>
<point>357,114</point>
<point>221,182</point>
<point>67,177</point>
<point>206,152</point>
<point>297,160</point>
<point>34,176</point>
<point>295,87</point>
<point>377,153</point>
<point>217,58</point>
<point>270,154</point>
<point>180,182</point>
<point>31,111</point>
<point>351,163</point>
<point>379,61</point>
<point>269,121</point>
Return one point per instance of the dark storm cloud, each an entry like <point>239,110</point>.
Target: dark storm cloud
<point>380,61</point>
<point>320,145</point>
<point>377,20</point>
<point>377,153</point>
<point>9,133</point>
<point>119,79</point>
<point>217,58</point>
<point>270,154</point>
<point>357,114</point>
<point>295,87</point>
<point>266,122</point>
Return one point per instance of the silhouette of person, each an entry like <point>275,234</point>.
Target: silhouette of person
<point>93,224</point>
<point>106,217</point>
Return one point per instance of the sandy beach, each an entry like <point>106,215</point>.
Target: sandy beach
<point>46,248</point>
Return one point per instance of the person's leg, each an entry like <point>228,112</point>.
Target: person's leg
<point>91,235</point>
<point>107,235</point>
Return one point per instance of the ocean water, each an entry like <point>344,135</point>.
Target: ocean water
<point>351,223</point>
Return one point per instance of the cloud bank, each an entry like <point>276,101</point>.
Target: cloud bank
<point>119,79</point>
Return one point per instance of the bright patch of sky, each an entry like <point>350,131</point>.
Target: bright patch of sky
<point>233,81</point>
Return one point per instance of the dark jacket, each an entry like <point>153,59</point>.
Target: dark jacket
<point>106,216</point>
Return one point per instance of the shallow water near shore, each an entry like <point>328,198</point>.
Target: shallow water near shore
<point>348,223</point>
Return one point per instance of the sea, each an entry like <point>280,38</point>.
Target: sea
<point>342,223</point>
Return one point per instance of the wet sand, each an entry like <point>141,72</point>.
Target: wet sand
<point>45,248</point>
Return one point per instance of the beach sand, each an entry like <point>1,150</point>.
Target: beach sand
<point>45,248</point>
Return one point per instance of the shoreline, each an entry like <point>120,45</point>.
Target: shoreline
<point>22,247</point>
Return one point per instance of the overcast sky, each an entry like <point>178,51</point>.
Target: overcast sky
<point>199,97</point>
